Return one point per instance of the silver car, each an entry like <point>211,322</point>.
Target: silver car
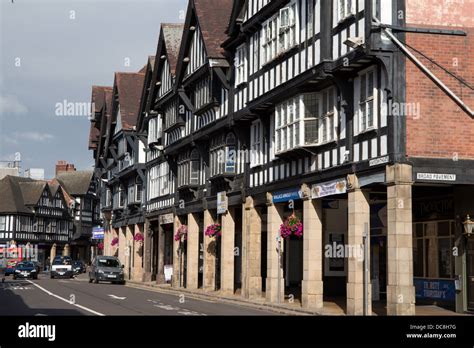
<point>106,269</point>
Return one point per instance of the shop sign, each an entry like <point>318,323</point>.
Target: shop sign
<point>287,195</point>
<point>435,289</point>
<point>166,219</point>
<point>430,209</point>
<point>436,177</point>
<point>337,187</point>
<point>222,203</point>
<point>98,233</point>
<point>379,161</point>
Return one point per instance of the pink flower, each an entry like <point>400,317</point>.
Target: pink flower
<point>291,226</point>
<point>115,241</point>
<point>182,232</point>
<point>214,230</point>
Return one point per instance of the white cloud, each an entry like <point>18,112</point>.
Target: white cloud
<point>17,137</point>
<point>10,104</point>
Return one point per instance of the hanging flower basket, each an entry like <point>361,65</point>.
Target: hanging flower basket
<point>181,233</point>
<point>115,241</point>
<point>100,246</point>
<point>138,237</point>
<point>292,226</point>
<point>214,230</point>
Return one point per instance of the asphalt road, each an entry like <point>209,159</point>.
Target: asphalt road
<point>78,297</point>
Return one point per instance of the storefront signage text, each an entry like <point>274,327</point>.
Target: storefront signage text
<point>378,161</point>
<point>286,196</point>
<point>97,233</point>
<point>166,219</point>
<point>436,177</point>
<point>435,289</point>
<point>337,187</point>
<point>222,203</point>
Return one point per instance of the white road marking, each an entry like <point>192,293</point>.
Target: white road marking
<point>66,300</point>
<point>182,311</point>
<point>117,298</point>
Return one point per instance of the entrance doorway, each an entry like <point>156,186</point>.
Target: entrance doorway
<point>470,275</point>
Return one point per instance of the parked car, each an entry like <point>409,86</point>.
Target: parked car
<point>108,269</point>
<point>78,267</point>
<point>62,267</point>
<point>25,269</point>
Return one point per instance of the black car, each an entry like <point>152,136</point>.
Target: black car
<point>78,267</point>
<point>25,270</point>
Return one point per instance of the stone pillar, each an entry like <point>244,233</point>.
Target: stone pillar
<point>359,215</point>
<point>227,252</point>
<point>251,245</point>
<point>160,272</point>
<point>177,267</point>
<point>192,252</point>
<point>122,244</point>
<point>312,286</point>
<point>147,251</point>
<point>137,253</point>
<point>274,269</point>
<point>209,262</point>
<point>400,289</point>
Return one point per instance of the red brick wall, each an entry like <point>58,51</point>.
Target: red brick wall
<point>443,129</point>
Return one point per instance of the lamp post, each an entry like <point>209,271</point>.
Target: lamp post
<point>468,226</point>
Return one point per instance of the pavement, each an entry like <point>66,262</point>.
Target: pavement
<point>78,297</point>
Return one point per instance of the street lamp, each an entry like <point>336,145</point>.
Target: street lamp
<point>468,226</point>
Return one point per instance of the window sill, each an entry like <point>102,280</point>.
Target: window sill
<point>368,130</point>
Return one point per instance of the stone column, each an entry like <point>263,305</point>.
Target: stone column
<point>400,289</point>
<point>177,268</point>
<point>274,269</point>
<point>251,245</point>
<point>122,236</point>
<point>227,252</point>
<point>312,286</point>
<point>147,251</point>
<point>160,272</point>
<point>359,215</point>
<point>209,262</point>
<point>192,252</point>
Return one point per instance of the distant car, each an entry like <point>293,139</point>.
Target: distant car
<point>25,269</point>
<point>107,269</point>
<point>62,267</point>
<point>78,267</point>
<point>11,264</point>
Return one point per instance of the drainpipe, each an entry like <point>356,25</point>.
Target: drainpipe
<point>423,68</point>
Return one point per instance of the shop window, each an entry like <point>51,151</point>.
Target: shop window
<point>432,249</point>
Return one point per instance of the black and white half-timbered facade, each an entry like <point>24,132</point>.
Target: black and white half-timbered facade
<point>276,146</point>
<point>34,213</point>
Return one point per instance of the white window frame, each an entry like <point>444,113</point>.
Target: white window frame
<point>369,98</point>
<point>269,40</point>
<point>3,222</point>
<point>256,144</point>
<point>345,9</point>
<point>287,32</point>
<point>295,126</point>
<point>240,63</point>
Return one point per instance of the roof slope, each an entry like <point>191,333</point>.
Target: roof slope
<point>213,16</point>
<point>11,194</point>
<point>172,34</point>
<point>75,183</point>
<point>130,87</point>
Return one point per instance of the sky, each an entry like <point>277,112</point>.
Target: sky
<point>51,53</point>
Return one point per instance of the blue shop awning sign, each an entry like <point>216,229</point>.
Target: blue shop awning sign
<point>287,195</point>
<point>435,289</point>
<point>98,233</point>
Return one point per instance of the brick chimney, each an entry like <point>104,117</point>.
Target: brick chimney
<point>63,166</point>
